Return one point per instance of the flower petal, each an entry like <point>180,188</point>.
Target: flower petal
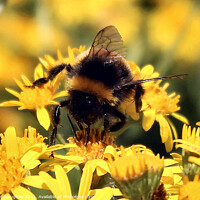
<point>51,183</point>
<point>6,197</point>
<point>26,80</point>
<point>61,94</point>
<point>101,167</point>
<point>105,193</point>
<point>35,181</point>
<point>148,119</point>
<point>63,181</point>
<point>11,142</point>
<point>13,92</point>
<point>38,73</point>
<point>86,180</point>
<point>181,118</point>
<point>22,193</point>
<point>169,143</point>
<point>20,84</point>
<point>43,118</point>
<point>165,130</point>
<point>10,103</point>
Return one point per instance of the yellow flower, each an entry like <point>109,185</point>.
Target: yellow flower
<point>18,157</point>
<point>36,98</point>
<point>190,189</point>
<point>190,144</point>
<point>60,186</point>
<point>154,106</point>
<point>137,171</point>
<point>80,153</point>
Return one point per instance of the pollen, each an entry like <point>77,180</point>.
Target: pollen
<point>95,147</point>
<point>34,98</point>
<point>156,98</point>
<point>11,172</point>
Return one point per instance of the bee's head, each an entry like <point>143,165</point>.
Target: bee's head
<point>84,107</point>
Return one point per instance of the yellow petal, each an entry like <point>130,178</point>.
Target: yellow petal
<point>60,146</point>
<point>6,197</point>
<point>147,70</point>
<point>50,60</point>
<point>109,150</point>
<point>105,193</point>
<point>59,56</point>
<point>20,84</point>
<point>32,154</point>
<point>13,92</point>
<point>70,52</point>
<point>43,118</point>
<point>11,103</point>
<point>38,73</point>
<point>35,181</point>
<point>26,80</point>
<point>181,118</point>
<point>11,142</point>
<point>61,94</point>
<point>169,143</point>
<point>173,128</point>
<point>51,183</point>
<point>101,167</point>
<point>52,103</point>
<point>148,119</point>
<point>69,167</point>
<point>165,130</point>
<point>22,193</point>
<point>86,180</point>
<point>168,162</point>
<point>63,181</point>
<point>44,62</point>
<point>194,159</point>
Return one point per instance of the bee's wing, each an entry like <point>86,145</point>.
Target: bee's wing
<point>108,39</point>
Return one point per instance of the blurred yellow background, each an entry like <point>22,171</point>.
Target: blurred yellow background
<point>164,33</point>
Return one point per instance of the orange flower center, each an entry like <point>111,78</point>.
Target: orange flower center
<point>95,147</point>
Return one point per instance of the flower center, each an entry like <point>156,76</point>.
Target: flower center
<point>11,173</point>
<point>36,98</point>
<point>95,146</point>
<point>163,103</point>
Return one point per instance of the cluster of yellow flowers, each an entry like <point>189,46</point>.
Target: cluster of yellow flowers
<point>106,170</point>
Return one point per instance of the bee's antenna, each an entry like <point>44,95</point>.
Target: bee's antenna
<point>181,76</point>
<point>136,82</point>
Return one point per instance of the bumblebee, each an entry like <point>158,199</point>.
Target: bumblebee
<point>99,80</point>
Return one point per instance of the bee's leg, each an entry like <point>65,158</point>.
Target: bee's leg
<point>114,127</point>
<point>120,124</point>
<point>56,121</point>
<point>72,126</point>
<point>52,74</point>
<point>86,129</point>
<point>139,91</point>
